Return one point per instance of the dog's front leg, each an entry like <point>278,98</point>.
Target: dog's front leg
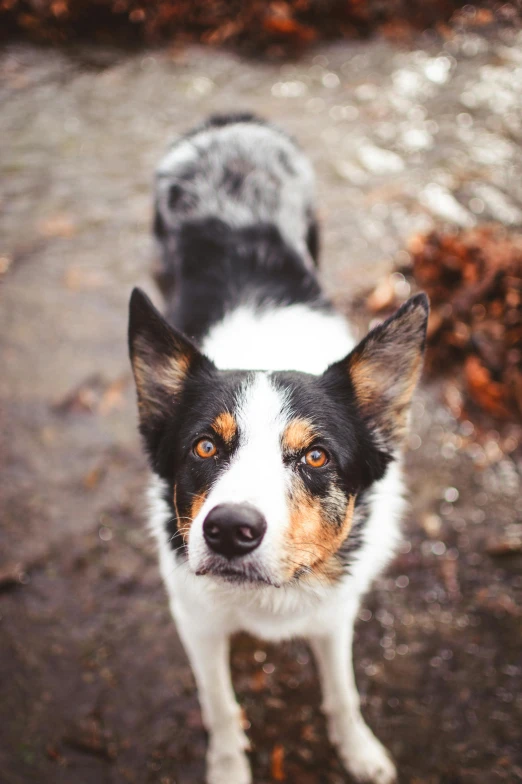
<point>227,762</point>
<point>363,755</point>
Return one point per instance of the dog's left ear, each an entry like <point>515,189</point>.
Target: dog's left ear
<point>162,359</point>
<point>382,371</point>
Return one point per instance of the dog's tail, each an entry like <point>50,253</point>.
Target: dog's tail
<point>245,175</point>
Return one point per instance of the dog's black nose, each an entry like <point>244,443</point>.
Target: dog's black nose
<point>234,529</point>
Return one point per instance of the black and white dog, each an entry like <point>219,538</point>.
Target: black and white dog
<point>275,443</point>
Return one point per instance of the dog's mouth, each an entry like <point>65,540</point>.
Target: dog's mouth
<point>247,575</point>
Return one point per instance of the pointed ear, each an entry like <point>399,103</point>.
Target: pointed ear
<point>161,359</point>
<point>384,370</point>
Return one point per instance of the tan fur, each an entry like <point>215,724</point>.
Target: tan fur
<point>157,378</point>
<point>225,426</point>
<point>298,435</point>
<point>313,540</point>
<point>197,503</point>
<point>184,524</point>
<point>364,379</point>
<point>172,375</point>
<point>385,373</point>
<point>410,387</point>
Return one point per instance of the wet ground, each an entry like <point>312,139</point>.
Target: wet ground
<point>94,685</point>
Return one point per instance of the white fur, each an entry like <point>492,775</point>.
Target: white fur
<point>208,611</point>
<point>296,337</point>
<point>256,476</point>
<point>270,612</point>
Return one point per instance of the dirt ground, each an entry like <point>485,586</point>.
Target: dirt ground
<point>94,685</point>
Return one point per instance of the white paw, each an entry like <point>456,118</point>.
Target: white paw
<point>228,768</point>
<point>227,762</point>
<point>363,756</point>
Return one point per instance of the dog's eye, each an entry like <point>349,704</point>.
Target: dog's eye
<point>315,458</point>
<point>205,448</point>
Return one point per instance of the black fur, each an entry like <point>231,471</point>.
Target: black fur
<point>330,403</point>
<point>313,238</point>
<point>226,118</point>
<point>354,541</point>
<point>221,267</point>
<point>181,198</point>
<point>206,395</point>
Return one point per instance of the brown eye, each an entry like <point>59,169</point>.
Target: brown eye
<point>205,448</point>
<point>315,458</point>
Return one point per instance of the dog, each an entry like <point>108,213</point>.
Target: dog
<point>274,440</point>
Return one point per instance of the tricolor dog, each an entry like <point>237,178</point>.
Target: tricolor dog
<point>275,442</point>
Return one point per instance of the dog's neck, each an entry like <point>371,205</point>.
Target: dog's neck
<point>251,301</point>
<point>296,337</point>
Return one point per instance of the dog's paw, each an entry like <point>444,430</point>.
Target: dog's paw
<point>228,768</point>
<point>227,762</point>
<point>363,756</point>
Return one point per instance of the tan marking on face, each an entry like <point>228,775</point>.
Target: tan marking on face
<point>225,426</point>
<point>185,523</point>
<point>196,505</point>
<point>329,570</point>
<point>313,540</point>
<point>298,435</point>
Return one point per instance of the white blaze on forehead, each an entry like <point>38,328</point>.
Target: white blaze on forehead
<point>257,474</point>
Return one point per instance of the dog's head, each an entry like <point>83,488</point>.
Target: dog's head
<point>266,471</point>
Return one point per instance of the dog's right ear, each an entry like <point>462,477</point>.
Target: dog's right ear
<point>383,370</point>
<point>162,359</point>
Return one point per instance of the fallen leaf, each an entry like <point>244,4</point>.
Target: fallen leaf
<point>5,263</point>
<point>506,546</point>
<point>382,297</point>
<point>83,398</point>
<point>92,478</point>
<point>488,394</point>
<point>474,281</point>
<point>258,681</point>
<point>287,26</point>
<point>79,278</point>
<point>94,395</point>
<point>449,569</point>
<point>277,766</point>
<point>497,602</point>
<point>10,575</point>
<point>432,525</point>
<point>60,225</point>
<point>112,397</point>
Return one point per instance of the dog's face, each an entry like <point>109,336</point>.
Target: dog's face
<point>266,472</point>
